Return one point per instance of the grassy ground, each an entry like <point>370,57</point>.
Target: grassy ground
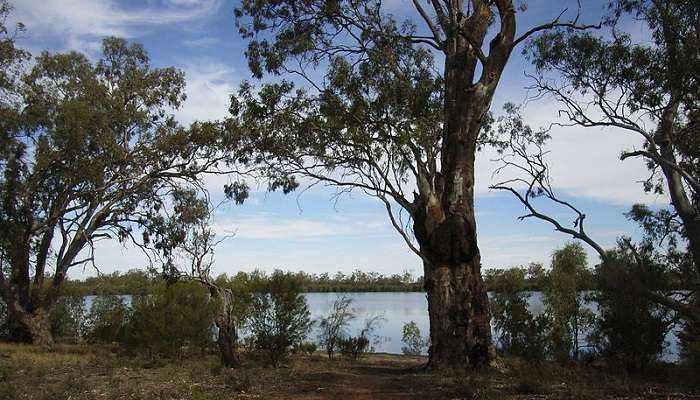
<point>94,372</point>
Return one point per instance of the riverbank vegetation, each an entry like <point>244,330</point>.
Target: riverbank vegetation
<point>271,317</point>
<point>91,151</point>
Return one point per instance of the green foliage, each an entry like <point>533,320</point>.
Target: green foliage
<point>360,281</point>
<point>519,332</point>
<point>414,343</point>
<point>242,286</point>
<point>306,347</point>
<point>67,317</point>
<point>630,328</point>
<point>136,282</point>
<point>279,316</point>
<point>132,282</point>
<point>565,303</point>
<point>12,62</point>
<point>171,317</point>
<point>91,151</point>
<point>107,319</point>
<point>333,327</point>
<point>535,279</point>
<point>626,81</point>
<point>354,347</point>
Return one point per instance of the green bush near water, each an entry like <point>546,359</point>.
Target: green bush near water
<point>173,316</point>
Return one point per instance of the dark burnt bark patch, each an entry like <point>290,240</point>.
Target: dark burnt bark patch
<point>453,242</point>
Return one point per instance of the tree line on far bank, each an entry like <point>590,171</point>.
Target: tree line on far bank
<point>136,282</point>
<point>140,282</point>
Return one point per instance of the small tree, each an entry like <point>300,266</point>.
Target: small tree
<point>414,343</point>
<point>106,320</point>
<point>333,327</point>
<point>173,316</point>
<point>564,301</point>
<point>232,299</point>
<point>279,316</point>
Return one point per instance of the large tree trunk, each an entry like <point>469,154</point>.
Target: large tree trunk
<point>460,331</point>
<point>38,325</point>
<point>444,222</point>
<point>28,321</point>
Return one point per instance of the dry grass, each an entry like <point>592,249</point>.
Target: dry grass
<point>79,372</point>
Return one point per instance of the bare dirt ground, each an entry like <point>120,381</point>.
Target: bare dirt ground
<point>99,372</point>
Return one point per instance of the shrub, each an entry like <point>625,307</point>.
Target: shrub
<point>518,331</point>
<point>238,380</point>
<point>173,316</point>
<point>630,329</point>
<point>333,327</point>
<point>354,347</point>
<point>414,343</point>
<point>67,317</point>
<point>308,348</point>
<point>106,320</point>
<point>279,316</point>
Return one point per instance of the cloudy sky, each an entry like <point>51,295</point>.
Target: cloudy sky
<point>313,231</point>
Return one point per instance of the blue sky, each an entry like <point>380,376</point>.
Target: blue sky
<point>313,231</point>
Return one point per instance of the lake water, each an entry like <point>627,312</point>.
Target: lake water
<point>398,308</point>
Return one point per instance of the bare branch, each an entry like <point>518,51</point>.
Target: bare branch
<point>555,24</point>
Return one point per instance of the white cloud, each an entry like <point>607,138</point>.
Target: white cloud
<point>209,88</point>
<point>201,42</point>
<point>584,162</point>
<point>82,23</point>
<point>268,226</point>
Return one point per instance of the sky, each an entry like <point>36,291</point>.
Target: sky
<point>314,231</point>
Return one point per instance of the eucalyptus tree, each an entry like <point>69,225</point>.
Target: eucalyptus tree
<point>95,155</point>
<point>383,119</point>
<point>648,89</point>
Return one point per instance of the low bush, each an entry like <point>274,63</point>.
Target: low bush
<point>67,317</point>
<point>171,317</point>
<point>106,320</point>
<point>353,347</point>
<point>279,316</point>
<point>414,343</point>
<point>308,348</point>
<point>518,331</point>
